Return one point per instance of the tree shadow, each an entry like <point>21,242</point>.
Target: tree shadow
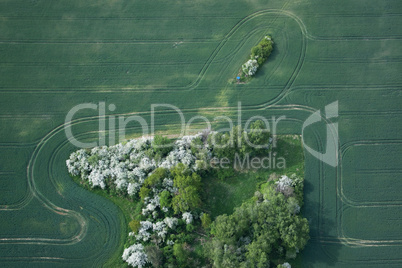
<point>322,250</point>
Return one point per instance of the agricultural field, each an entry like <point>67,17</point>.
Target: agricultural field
<point>129,55</point>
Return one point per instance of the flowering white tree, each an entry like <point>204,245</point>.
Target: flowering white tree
<point>285,265</point>
<point>171,222</point>
<point>160,229</point>
<point>143,233</point>
<point>250,67</point>
<point>96,178</point>
<point>127,165</point>
<point>135,256</point>
<point>188,217</point>
<point>285,185</point>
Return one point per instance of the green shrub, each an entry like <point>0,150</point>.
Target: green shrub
<point>134,225</point>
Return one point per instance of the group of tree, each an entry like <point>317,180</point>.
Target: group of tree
<point>264,230</point>
<point>166,177</point>
<point>259,54</point>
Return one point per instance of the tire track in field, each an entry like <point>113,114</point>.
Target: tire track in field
<point>103,41</point>
<point>353,242</point>
<point>107,221</point>
<point>309,90</point>
<point>26,199</point>
<point>48,204</point>
<point>343,150</point>
<point>201,74</point>
<point>95,64</point>
<point>289,107</point>
<point>355,60</point>
<point>342,239</point>
<point>249,34</point>
<point>286,52</point>
<point>204,69</point>
<point>268,104</point>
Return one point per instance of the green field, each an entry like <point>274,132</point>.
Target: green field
<point>58,54</point>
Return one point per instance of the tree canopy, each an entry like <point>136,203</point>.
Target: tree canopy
<point>256,231</point>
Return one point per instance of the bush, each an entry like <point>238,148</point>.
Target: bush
<point>190,227</point>
<point>161,145</point>
<point>135,225</point>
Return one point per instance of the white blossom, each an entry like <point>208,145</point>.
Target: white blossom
<point>284,182</point>
<point>143,233</point>
<point>187,217</point>
<point>133,188</point>
<point>135,256</point>
<point>171,222</point>
<point>121,184</point>
<point>126,164</point>
<point>96,178</point>
<point>160,229</point>
<point>250,67</point>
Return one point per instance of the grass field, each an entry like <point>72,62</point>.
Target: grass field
<point>57,54</point>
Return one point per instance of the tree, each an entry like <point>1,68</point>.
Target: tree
<point>155,255</point>
<point>295,232</point>
<point>256,231</point>
<point>161,145</point>
<point>156,177</point>
<point>259,54</point>
<point>258,250</point>
<point>256,53</point>
<point>222,144</point>
<point>165,199</point>
<point>293,206</point>
<point>188,198</point>
<point>135,256</point>
<point>144,192</point>
<point>180,253</point>
<point>153,181</point>
<point>256,141</point>
<point>206,220</point>
<point>224,229</point>
<point>188,184</point>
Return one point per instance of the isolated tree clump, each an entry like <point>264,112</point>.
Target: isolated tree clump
<point>259,54</point>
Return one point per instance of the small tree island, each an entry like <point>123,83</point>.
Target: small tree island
<point>259,54</point>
